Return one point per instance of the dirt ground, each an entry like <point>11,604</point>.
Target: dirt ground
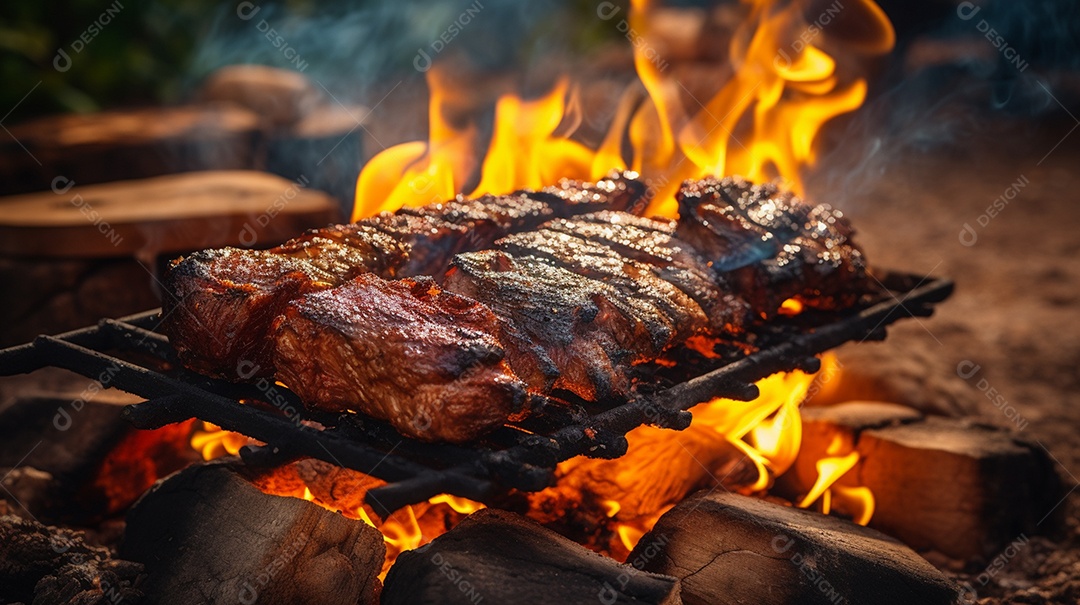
<point>1006,347</point>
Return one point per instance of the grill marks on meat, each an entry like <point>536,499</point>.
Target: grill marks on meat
<point>619,191</point>
<point>772,245</point>
<point>565,300</point>
<point>652,243</point>
<point>561,330</point>
<point>677,316</point>
<point>239,292</point>
<point>425,359</point>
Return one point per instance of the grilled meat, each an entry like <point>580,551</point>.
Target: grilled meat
<point>563,300</point>
<point>772,245</point>
<point>652,243</point>
<point>677,315</point>
<point>218,326</point>
<point>239,292</point>
<point>560,330</point>
<point>422,358</point>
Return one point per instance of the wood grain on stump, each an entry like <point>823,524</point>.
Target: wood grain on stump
<point>168,214</point>
<point>952,486</point>
<point>127,144</point>
<point>499,557</point>
<point>729,549</point>
<point>207,535</point>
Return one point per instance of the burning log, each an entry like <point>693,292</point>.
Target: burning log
<point>75,446</point>
<point>961,489</point>
<point>728,548</point>
<point>499,557</point>
<point>42,564</point>
<point>274,549</point>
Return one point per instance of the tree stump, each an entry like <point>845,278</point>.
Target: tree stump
<point>168,214</point>
<point>126,144</point>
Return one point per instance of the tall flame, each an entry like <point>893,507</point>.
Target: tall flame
<point>762,123</point>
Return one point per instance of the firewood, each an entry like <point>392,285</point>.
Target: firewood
<point>176,213</point>
<point>279,97</point>
<point>952,486</point>
<point>129,144</point>
<point>78,460</point>
<point>729,549</point>
<point>499,557</point>
<point>43,564</point>
<point>207,535</point>
<point>50,296</point>
<point>324,147</point>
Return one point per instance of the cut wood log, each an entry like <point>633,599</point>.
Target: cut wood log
<point>167,214</point>
<point>732,549</point>
<point>207,535</point>
<point>278,96</point>
<point>48,565</point>
<point>49,296</point>
<point>97,464</point>
<point>325,147</point>
<point>128,144</point>
<point>950,486</point>
<point>499,557</point>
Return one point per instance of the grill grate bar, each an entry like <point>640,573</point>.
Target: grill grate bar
<point>416,471</point>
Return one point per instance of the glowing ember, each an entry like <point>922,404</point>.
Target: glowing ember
<point>212,442</point>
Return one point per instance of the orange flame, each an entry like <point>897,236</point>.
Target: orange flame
<point>763,122</point>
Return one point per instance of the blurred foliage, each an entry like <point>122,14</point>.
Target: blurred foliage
<point>131,52</point>
<point>135,52</point>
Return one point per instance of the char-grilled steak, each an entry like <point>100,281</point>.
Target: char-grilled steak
<point>219,304</point>
<point>564,298</point>
<point>425,359</point>
<point>652,242</point>
<point>772,245</point>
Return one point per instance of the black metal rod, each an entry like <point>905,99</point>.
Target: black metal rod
<point>474,472</point>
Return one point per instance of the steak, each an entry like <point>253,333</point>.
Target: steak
<point>772,245</point>
<point>565,299</point>
<point>423,358</point>
<point>219,304</point>
<point>561,330</point>
<point>652,243</point>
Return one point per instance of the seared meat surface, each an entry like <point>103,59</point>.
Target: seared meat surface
<point>772,245</point>
<point>652,243</point>
<point>239,292</point>
<point>218,326</point>
<point>539,293</point>
<point>422,358</point>
<point>560,330</point>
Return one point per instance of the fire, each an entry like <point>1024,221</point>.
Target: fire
<point>735,445</point>
<point>762,123</point>
<point>212,442</point>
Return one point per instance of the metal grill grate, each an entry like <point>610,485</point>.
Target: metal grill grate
<point>129,354</point>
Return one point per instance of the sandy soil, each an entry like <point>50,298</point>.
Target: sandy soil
<point>1014,314</point>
